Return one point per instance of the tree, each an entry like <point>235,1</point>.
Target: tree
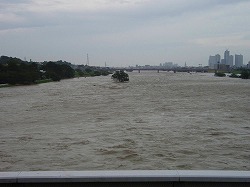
<point>120,76</point>
<point>88,70</point>
<point>56,72</point>
<point>67,71</point>
<point>245,74</point>
<point>219,74</point>
<point>233,75</point>
<point>15,71</point>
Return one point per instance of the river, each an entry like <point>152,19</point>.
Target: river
<point>155,121</point>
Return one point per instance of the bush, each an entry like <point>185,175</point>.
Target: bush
<point>233,75</point>
<point>219,74</point>
<point>121,76</point>
<point>245,74</point>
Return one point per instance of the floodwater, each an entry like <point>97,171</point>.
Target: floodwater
<point>156,121</point>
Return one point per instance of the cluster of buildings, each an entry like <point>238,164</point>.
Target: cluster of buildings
<point>229,61</point>
<point>168,65</point>
<point>165,65</point>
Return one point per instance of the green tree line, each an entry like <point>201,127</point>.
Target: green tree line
<point>91,72</point>
<point>15,71</point>
<point>239,73</point>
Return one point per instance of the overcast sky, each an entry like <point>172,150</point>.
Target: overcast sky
<point>124,32</point>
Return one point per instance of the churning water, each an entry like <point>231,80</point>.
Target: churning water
<point>156,121</point>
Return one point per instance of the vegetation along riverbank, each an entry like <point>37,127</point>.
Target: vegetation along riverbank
<point>14,71</point>
<point>239,73</point>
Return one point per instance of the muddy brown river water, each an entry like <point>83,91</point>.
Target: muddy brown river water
<point>156,121</point>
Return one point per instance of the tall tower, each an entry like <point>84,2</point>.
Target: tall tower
<point>226,56</point>
<point>217,58</point>
<point>231,60</point>
<point>87,63</point>
<point>238,60</point>
<point>213,60</point>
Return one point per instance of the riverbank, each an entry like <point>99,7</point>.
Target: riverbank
<point>4,85</point>
<point>36,82</point>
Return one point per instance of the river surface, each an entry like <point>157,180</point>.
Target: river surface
<point>156,121</point>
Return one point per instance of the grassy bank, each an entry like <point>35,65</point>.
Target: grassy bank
<point>43,81</point>
<point>36,82</point>
<point>4,85</point>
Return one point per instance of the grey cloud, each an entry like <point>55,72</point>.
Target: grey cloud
<point>135,27</point>
<point>164,8</point>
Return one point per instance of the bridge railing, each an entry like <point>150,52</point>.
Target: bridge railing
<point>171,178</point>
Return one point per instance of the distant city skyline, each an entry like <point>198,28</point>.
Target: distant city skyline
<point>124,33</point>
<point>229,60</point>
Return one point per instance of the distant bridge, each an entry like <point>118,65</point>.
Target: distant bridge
<point>158,69</point>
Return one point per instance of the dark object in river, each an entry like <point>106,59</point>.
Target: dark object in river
<point>120,76</point>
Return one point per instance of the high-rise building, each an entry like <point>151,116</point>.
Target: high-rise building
<point>228,61</point>
<point>217,58</point>
<point>231,61</point>
<point>223,61</point>
<point>238,60</point>
<point>226,57</point>
<point>213,60</point>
